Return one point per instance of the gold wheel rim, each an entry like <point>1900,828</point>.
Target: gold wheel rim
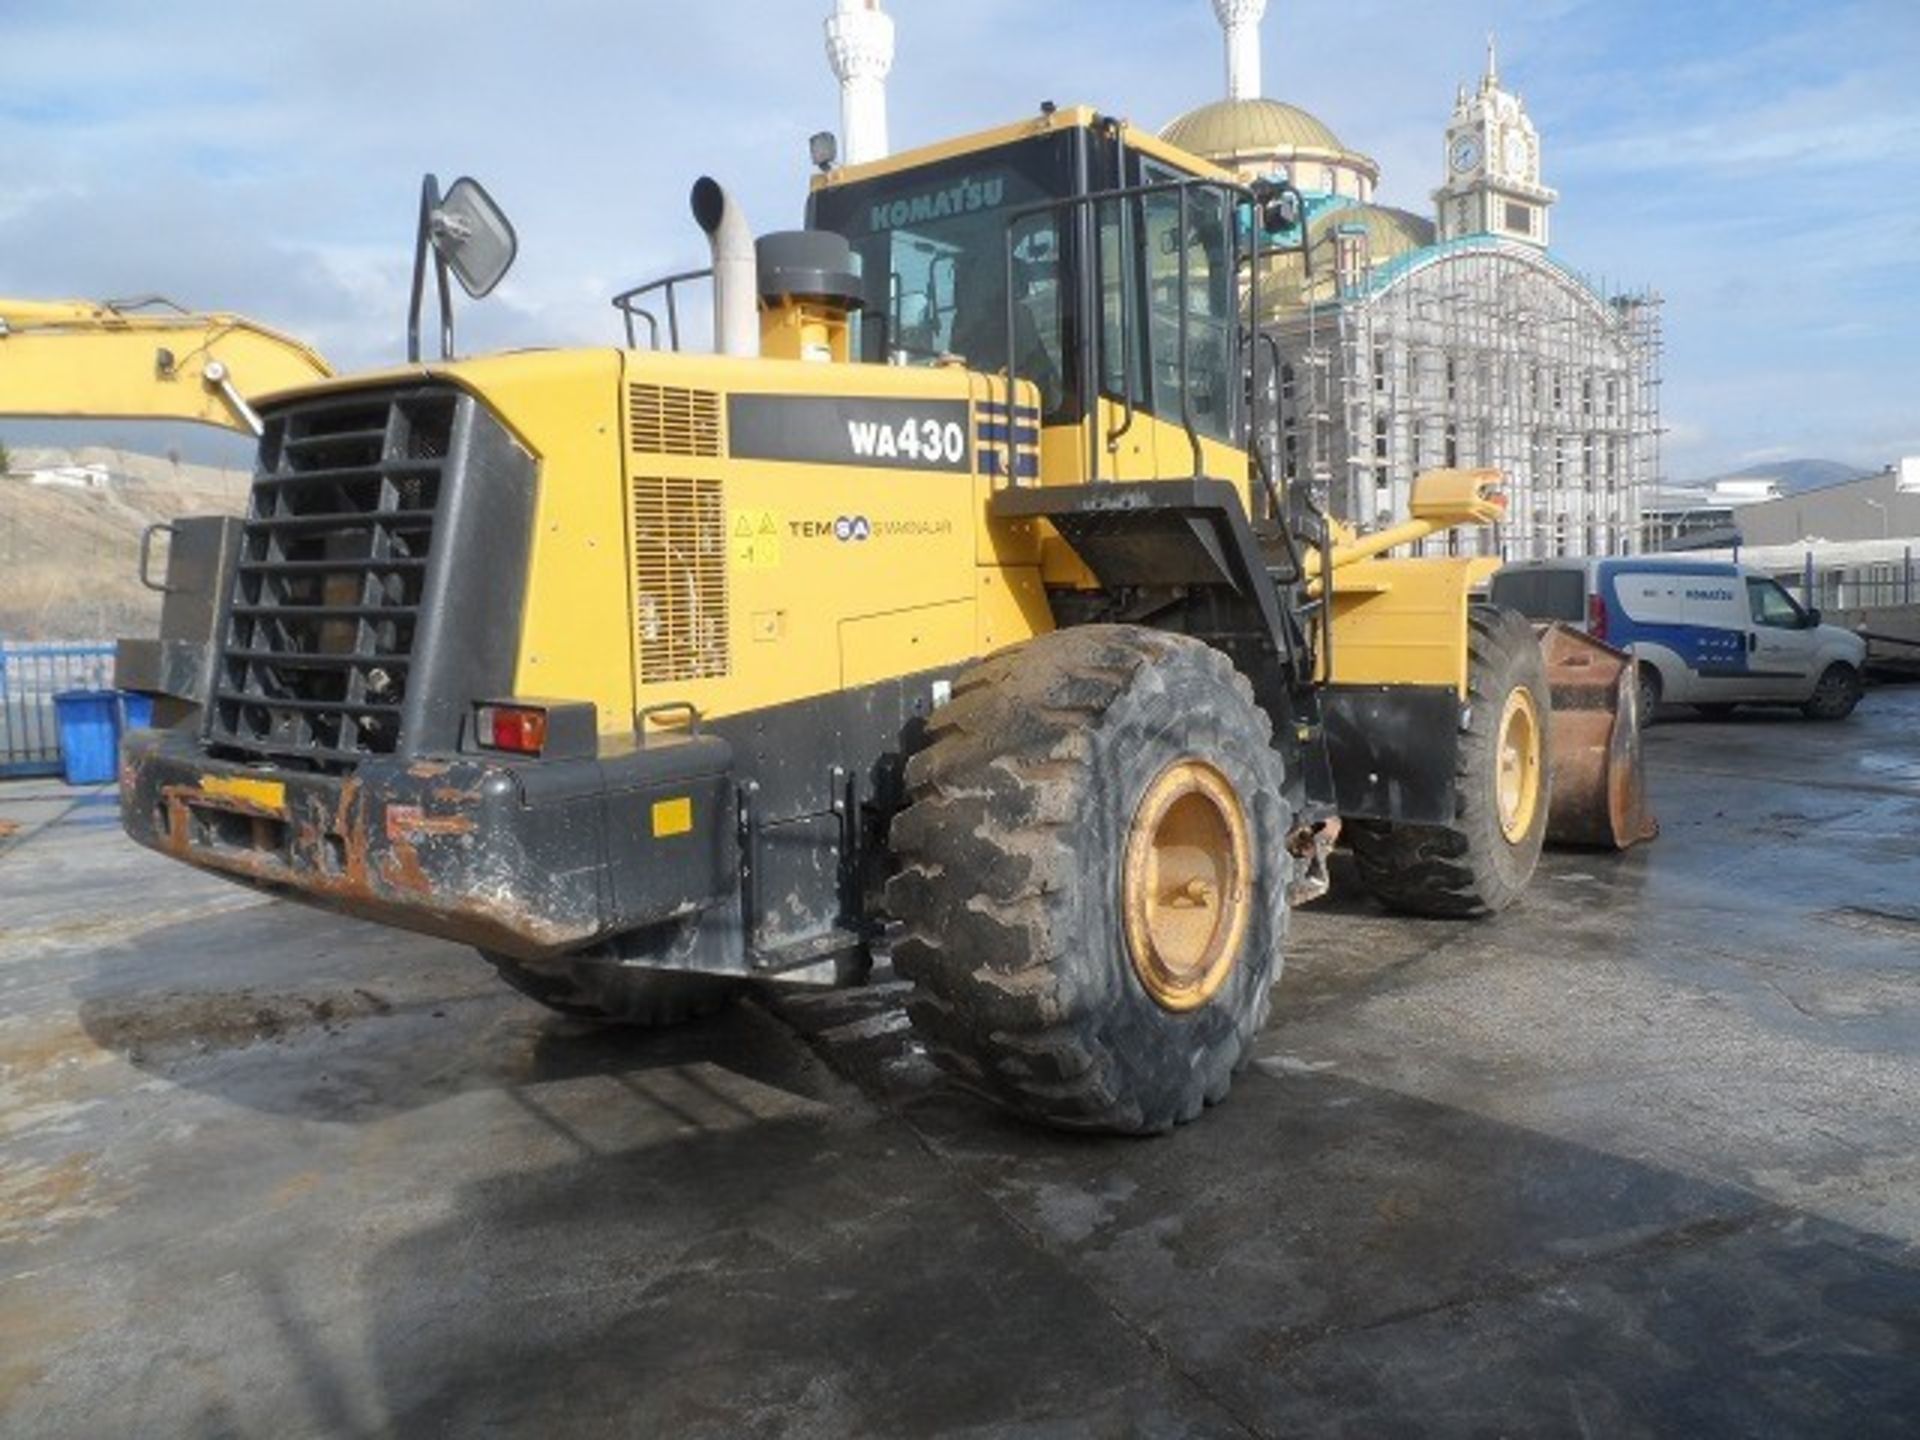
<point>1186,886</point>
<point>1518,755</point>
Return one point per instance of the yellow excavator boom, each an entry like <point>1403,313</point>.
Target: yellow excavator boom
<point>145,359</point>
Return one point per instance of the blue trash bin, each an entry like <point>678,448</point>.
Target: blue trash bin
<point>136,711</point>
<point>89,739</point>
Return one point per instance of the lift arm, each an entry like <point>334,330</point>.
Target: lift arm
<point>145,359</point>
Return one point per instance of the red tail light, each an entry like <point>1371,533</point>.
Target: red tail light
<point>512,727</point>
<point>1597,616</point>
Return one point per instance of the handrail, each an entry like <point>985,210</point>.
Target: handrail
<point>624,303</point>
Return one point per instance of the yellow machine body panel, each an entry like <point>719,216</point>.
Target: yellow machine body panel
<point>766,569</point>
<point>1404,621</point>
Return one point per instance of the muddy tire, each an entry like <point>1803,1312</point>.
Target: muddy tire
<point>614,986</point>
<point>1092,878</point>
<point>1837,693</point>
<point>1483,861</point>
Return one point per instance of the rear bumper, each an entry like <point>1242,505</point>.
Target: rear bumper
<point>529,859</point>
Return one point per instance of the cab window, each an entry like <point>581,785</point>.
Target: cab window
<point>1209,299</point>
<point>933,248</point>
<point>1772,606</point>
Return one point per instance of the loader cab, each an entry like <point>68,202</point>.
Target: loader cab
<point>1100,264</point>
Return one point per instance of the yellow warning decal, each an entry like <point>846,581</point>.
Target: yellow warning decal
<point>672,817</point>
<point>753,538</point>
<point>262,794</point>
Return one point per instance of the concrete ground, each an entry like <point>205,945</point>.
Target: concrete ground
<point>1641,1157</point>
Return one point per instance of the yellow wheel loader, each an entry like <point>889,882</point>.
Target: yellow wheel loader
<point>930,611</point>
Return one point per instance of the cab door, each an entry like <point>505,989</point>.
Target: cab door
<point>1780,643</point>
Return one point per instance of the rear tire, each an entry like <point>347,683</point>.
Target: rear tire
<point>1483,861</point>
<point>1834,698</point>
<point>1093,878</point>
<point>614,984</point>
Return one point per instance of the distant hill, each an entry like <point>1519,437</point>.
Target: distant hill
<point>69,553</point>
<point>1795,477</point>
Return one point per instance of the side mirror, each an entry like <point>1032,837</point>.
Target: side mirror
<point>1281,207</point>
<point>1283,212</point>
<point>1813,618</point>
<point>473,236</point>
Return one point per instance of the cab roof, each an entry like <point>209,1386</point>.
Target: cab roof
<point>1071,117</point>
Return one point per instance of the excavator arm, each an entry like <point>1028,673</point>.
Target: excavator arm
<point>144,359</point>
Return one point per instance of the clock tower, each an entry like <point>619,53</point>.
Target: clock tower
<point>1493,167</point>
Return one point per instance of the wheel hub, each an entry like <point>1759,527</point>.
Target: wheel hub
<point>1518,781</point>
<point>1186,888</point>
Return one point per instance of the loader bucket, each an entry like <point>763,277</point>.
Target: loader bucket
<point>1599,780</point>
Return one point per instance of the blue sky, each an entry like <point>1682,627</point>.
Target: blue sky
<point>1758,162</point>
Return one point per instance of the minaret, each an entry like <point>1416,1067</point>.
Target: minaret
<point>1241,20</point>
<point>860,49</point>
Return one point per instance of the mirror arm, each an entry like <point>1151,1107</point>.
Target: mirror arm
<point>446,306</point>
<point>429,198</point>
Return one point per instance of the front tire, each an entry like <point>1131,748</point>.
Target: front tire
<point>1092,880</point>
<point>616,984</point>
<point>1483,861</point>
<point>1834,698</point>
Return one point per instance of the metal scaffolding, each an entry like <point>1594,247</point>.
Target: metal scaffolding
<point>1474,353</point>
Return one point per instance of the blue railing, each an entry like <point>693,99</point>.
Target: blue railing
<point>30,676</point>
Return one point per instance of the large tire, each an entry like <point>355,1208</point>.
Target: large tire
<point>1092,880</point>
<point>614,985</point>
<point>1483,861</point>
<point>1839,690</point>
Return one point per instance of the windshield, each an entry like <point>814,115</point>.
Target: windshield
<point>932,244</point>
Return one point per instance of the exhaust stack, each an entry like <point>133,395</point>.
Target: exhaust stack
<point>736,317</point>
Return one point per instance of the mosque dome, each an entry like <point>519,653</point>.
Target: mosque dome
<point>1257,137</point>
<point>1391,232</point>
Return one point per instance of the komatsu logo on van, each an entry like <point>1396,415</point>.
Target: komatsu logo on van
<point>962,199</point>
<point>1719,593</point>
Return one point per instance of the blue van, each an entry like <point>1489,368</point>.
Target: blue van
<point>1703,633</point>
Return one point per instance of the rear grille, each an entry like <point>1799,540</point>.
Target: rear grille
<point>680,569</point>
<point>318,653</point>
<point>666,420</point>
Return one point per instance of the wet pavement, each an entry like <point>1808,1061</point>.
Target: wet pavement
<point>1641,1157</point>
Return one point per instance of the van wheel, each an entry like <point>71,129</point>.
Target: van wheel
<point>1651,689</point>
<point>1837,693</point>
<point>1483,861</point>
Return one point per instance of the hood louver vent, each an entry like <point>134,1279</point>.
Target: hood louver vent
<point>667,420</point>
<point>680,579</point>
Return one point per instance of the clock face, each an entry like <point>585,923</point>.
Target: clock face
<point>1515,153</point>
<point>1465,153</point>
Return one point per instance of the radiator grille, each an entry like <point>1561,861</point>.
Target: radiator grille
<point>667,420</point>
<point>680,571</point>
<point>318,650</point>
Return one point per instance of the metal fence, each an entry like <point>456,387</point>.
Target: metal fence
<point>1857,585</point>
<point>30,676</point>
